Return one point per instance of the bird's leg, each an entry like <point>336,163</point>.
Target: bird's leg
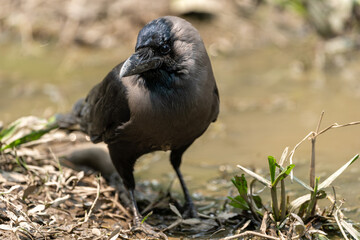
<point>138,225</point>
<point>124,160</point>
<point>137,216</point>
<point>129,182</point>
<point>190,211</point>
<point>175,159</point>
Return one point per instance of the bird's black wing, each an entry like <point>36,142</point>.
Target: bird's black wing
<point>105,108</point>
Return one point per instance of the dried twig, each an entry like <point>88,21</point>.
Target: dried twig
<point>120,206</point>
<point>263,226</point>
<point>251,233</point>
<point>315,134</point>
<point>333,202</point>
<point>87,215</point>
<point>312,161</point>
<point>293,152</point>
<point>337,212</point>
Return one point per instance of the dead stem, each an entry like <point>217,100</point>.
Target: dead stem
<point>120,206</point>
<point>315,134</point>
<point>338,212</point>
<point>283,200</point>
<point>293,152</point>
<point>251,233</point>
<point>333,202</point>
<point>336,125</point>
<point>264,224</point>
<point>312,162</point>
<point>87,215</point>
<point>282,191</point>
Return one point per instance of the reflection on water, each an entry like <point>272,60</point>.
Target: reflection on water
<point>270,99</point>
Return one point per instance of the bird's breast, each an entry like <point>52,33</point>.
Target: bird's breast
<point>164,121</point>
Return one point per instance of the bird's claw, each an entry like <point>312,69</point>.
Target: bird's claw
<point>150,232</point>
<point>190,211</point>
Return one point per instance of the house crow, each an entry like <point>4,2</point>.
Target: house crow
<point>162,97</point>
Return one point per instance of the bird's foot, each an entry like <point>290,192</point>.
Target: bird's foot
<point>149,231</point>
<point>190,211</point>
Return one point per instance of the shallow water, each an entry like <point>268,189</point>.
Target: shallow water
<point>270,99</point>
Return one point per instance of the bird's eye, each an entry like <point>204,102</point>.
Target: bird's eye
<point>164,49</point>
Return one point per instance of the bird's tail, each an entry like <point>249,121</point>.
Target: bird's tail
<point>69,120</point>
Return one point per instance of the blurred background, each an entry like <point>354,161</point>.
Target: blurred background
<point>278,65</point>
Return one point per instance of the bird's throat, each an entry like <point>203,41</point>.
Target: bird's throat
<point>157,79</point>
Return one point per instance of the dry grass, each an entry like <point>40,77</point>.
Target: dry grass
<point>43,199</point>
<point>40,199</point>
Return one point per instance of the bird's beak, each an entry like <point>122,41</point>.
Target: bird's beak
<point>138,63</point>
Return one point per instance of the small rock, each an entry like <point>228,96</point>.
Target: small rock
<point>96,231</point>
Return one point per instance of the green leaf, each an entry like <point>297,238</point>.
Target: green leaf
<point>296,6</point>
<point>146,217</point>
<point>330,179</point>
<point>241,184</point>
<point>321,194</point>
<point>239,202</point>
<point>32,136</point>
<point>297,203</point>
<point>272,168</point>
<point>258,201</point>
<point>8,131</point>
<point>21,162</point>
<point>284,173</point>
<point>319,236</point>
<point>313,199</point>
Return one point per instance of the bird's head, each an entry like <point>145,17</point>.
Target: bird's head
<point>167,45</point>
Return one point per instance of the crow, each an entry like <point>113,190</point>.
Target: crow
<point>162,97</point>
